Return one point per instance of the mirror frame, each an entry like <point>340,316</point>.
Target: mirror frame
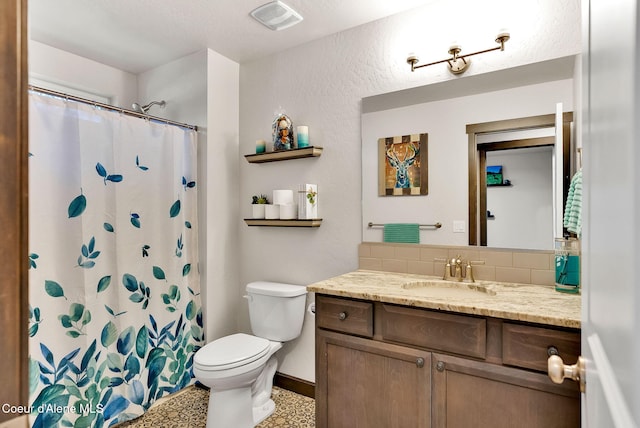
<point>477,162</point>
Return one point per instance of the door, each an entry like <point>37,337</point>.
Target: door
<point>611,213</point>
<point>367,384</point>
<point>475,394</point>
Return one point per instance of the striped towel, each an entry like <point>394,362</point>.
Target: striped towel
<point>406,233</point>
<point>573,209</point>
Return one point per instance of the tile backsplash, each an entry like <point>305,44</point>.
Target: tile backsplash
<point>504,265</point>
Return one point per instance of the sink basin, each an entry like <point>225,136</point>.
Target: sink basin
<point>442,288</point>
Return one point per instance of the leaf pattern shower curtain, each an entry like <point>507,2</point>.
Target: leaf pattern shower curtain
<point>115,309</point>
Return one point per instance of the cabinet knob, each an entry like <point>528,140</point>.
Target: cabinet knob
<point>559,371</point>
<point>440,366</point>
<point>342,316</point>
<point>420,362</point>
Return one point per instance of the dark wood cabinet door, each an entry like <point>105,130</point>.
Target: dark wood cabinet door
<point>368,384</point>
<point>468,394</point>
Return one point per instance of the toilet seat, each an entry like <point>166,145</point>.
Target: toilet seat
<point>230,352</point>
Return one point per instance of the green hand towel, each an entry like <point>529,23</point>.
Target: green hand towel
<point>406,233</point>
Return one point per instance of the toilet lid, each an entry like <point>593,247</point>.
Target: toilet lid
<point>231,351</point>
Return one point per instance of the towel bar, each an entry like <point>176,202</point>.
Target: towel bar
<point>438,225</point>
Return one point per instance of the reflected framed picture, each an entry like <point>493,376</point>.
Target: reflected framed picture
<point>494,175</point>
<point>403,165</point>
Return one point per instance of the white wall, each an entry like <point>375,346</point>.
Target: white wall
<point>182,84</point>
<point>48,64</point>
<point>222,185</point>
<point>523,212</point>
<point>445,122</point>
<point>321,84</point>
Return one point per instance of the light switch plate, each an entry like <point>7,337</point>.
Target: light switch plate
<point>459,226</point>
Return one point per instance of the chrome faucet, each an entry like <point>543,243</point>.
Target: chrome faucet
<point>458,269</point>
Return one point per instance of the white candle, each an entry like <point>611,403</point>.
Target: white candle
<point>282,197</point>
<point>261,146</point>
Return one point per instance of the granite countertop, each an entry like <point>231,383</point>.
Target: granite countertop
<point>522,302</point>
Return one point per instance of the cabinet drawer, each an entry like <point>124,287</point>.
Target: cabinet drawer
<point>526,346</point>
<point>458,334</point>
<point>347,316</point>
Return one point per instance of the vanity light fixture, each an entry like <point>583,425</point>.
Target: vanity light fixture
<point>458,64</point>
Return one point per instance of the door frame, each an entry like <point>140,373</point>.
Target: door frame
<point>14,205</point>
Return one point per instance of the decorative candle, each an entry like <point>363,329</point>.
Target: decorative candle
<point>288,212</point>
<point>282,197</point>
<point>303,136</point>
<point>261,146</point>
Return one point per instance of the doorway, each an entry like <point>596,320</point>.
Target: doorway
<point>520,198</point>
<point>477,162</point>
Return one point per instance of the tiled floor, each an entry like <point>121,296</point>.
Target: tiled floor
<point>188,409</point>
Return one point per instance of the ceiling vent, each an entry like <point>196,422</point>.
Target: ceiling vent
<point>276,15</point>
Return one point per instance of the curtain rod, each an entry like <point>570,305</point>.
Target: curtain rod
<point>110,107</point>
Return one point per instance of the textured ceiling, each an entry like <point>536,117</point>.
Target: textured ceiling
<point>138,35</point>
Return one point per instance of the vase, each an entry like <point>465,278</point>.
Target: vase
<point>258,210</point>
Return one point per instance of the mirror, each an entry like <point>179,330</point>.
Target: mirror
<point>443,110</point>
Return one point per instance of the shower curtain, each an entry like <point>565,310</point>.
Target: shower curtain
<point>115,311</point>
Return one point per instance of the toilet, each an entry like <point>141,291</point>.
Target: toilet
<point>239,368</point>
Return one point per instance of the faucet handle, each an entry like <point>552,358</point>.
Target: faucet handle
<point>469,270</point>
<point>447,267</point>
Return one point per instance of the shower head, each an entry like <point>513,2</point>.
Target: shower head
<point>137,107</point>
<point>143,109</point>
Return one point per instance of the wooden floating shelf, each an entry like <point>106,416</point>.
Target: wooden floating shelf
<point>316,222</point>
<point>305,152</point>
<point>500,185</point>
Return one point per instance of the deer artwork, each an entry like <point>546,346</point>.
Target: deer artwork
<point>402,166</point>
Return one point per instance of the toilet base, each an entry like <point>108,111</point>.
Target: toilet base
<point>261,413</point>
<point>229,408</point>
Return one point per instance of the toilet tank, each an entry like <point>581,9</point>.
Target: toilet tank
<point>276,310</point>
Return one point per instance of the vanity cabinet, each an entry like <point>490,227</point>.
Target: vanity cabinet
<point>386,365</point>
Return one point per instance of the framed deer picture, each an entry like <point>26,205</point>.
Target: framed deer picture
<point>403,165</point>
